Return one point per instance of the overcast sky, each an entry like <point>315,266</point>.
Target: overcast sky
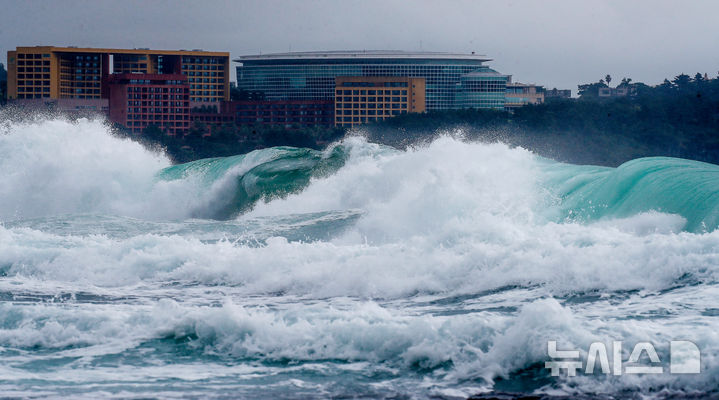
<point>550,42</point>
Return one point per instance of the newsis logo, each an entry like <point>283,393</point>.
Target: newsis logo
<point>684,358</point>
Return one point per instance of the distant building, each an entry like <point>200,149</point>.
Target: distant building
<point>86,75</point>
<point>366,99</point>
<point>285,113</point>
<point>451,80</point>
<point>139,100</point>
<point>71,72</point>
<point>623,91</point>
<point>557,94</point>
<point>212,117</point>
<point>520,94</point>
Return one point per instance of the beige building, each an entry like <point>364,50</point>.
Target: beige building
<point>47,72</point>
<point>520,94</point>
<point>361,99</point>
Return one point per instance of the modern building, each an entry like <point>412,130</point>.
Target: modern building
<point>557,94</point>
<point>367,99</point>
<point>139,100</point>
<point>451,80</point>
<point>521,94</point>
<point>69,72</point>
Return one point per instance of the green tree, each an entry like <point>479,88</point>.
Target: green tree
<point>682,81</point>
<point>590,90</point>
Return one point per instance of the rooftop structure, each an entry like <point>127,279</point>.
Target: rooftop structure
<point>321,56</point>
<point>311,75</point>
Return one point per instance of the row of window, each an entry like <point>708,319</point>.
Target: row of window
<point>138,110</point>
<point>71,84</point>
<point>158,103</point>
<point>33,76</point>
<point>161,117</point>
<point>32,96</point>
<point>128,65</point>
<point>153,89</point>
<point>269,113</point>
<point>370,112</point>
<point>85,57</point>
<point>154,82</point>
<point>365,119</point>
<point>371,92</point>
<point>35,69</point>
<point>79,71</point>
<point>206,80</point>
<point>205,99</point>
<point>157,96</point>
<point>198,87</point>
<point>30,83</point>
<point>24,56</point>
<point>283,106</point>
<point>206,92</point>
<point>153,121</point>
<point>202,60</point>
<point>372,84</point>
<point>34,63</point>
<point>35,89</point>
<point>205,73</point>
<point>372,105</point>
<point>202,67</point>
<point>371,99</point>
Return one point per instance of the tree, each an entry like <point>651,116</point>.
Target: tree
<point>591,90</point>
<point>682,81</point>
<point>3,84</point>
<point>608,78</point>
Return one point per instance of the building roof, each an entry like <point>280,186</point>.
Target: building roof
<point>48,49</point>
<point>363,55</point>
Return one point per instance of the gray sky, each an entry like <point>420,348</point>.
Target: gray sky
<point>551,42</point>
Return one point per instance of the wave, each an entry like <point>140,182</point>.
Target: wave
<point>236,183</point>
<point>55,167</point>
<point>668,185</point>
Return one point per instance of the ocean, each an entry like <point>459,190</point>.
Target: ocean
<point>361,271</point>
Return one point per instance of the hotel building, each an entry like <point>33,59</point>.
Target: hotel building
<point>451,80</point>
<point>366,99</point>
<point>139,100</point>
<point>79,73</point>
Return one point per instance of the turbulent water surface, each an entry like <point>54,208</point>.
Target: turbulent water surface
<point>359,271</point>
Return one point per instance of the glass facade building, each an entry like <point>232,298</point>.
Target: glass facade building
<point>452,80</point>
